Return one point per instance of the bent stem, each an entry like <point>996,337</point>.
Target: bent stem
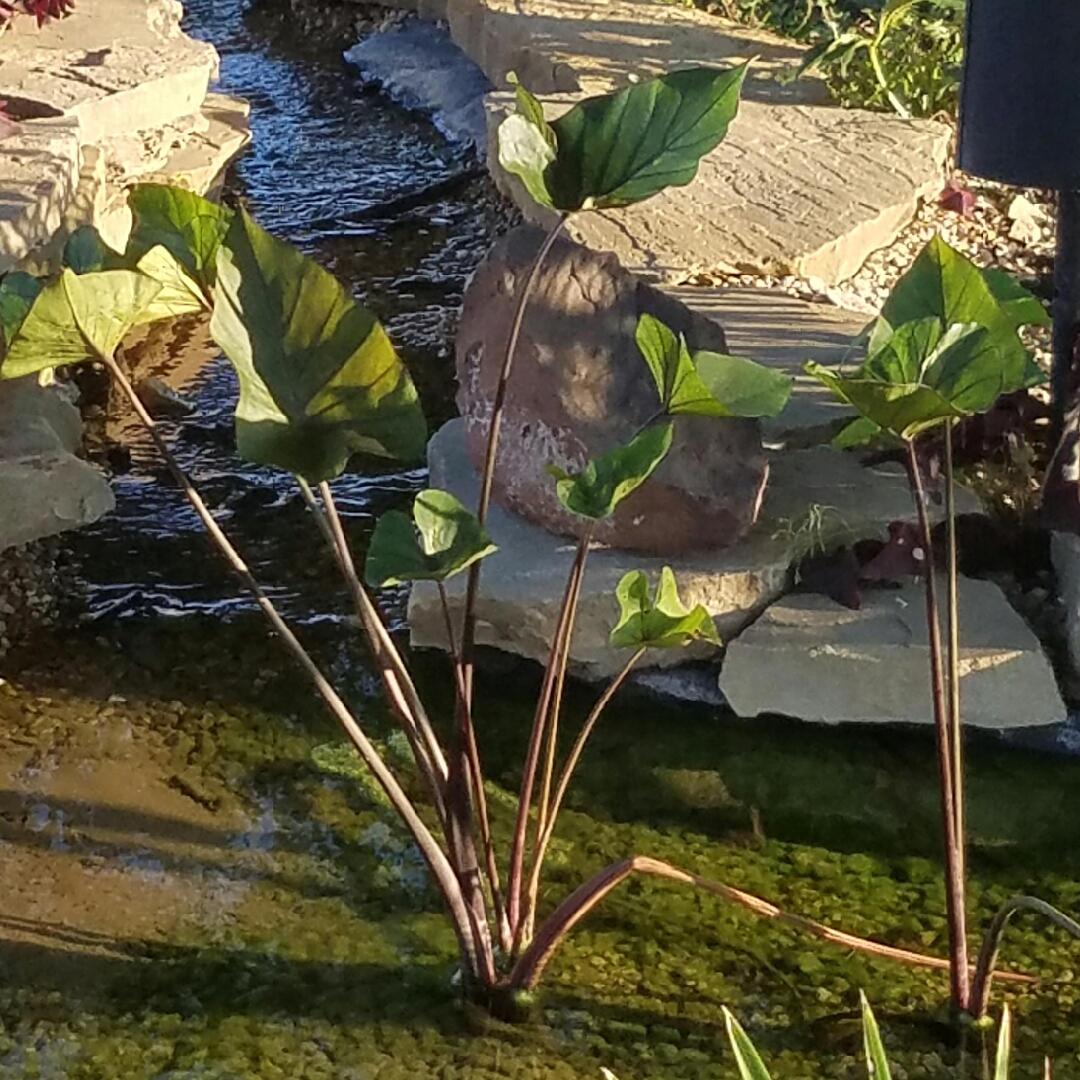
<point>530,965</point>
<point>471,945</point>
<point>988,954</point>
<point>472,587</point>
<point>954,880</point>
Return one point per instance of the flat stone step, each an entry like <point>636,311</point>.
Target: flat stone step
<point>117,66</point>
<point>810,658</point>
<point>523,583</point>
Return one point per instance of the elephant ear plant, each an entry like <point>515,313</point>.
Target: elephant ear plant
<point>320,380</point>
<point>946,347</point>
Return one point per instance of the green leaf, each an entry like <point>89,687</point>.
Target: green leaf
<point>190,227</point>
<point>661,624</point>
<point>743,387</point>
<point>624,147</point>
<point>751,1067</point>
<point>709,384</point>
<point>877,1066</point>
<point>442,539</point>
<point>319,379</point>
<point>85,252</point>
<point>77,318</point>
<point>1004,1046</point>
<point>18,291</point>
<point>180,293</point>
<point>857,433</point>
<point>530,108</point>
<point>1022,307</point>
<point>595,492</point>
<point>945,285</point>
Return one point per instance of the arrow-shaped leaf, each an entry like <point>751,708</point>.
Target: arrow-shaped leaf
<point>708,384</point>
<point>604,483</point>
<point>319,379</point>
<point>442,539</point>
<point>663,623</point>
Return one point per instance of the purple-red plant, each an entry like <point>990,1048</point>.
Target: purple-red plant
<point>41,10</point>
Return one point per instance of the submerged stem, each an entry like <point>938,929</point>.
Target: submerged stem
<point>471,945</point>
<point>954,881</point>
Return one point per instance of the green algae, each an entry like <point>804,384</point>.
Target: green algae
<point>337,961</point>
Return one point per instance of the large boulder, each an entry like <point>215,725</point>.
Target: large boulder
<point>580,387</point>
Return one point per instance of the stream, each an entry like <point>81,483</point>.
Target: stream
<point>199,885</point>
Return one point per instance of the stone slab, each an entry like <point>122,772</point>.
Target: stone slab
<point>421,68</point>
<point>117,66</point>
<point>44,488</point>
<point>523,583</point>
<point>783,332</point>
<point>39,172</point>
<point>807,190</point>
<point>808,657</point>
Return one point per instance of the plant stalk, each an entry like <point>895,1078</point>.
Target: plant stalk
<point>473,953</point>
<point>954,882</point>
<point>532,756</point>
<point>472,586</point>
<point>476,777</point>
<point>955,717</point>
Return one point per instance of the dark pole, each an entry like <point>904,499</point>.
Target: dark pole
<point>1066,310</point>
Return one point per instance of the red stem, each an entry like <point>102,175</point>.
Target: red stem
<point>954,880</point>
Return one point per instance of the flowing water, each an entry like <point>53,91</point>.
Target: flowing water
<point>191,890</point>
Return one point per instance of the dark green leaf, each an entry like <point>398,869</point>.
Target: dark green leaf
<point>85,252</point>
<point>709,384</point>
<point>943,284</point>
<point>443,539</point>
<point>319,379</point>
<point>18,291</point>
<point>624,147</point>
<point>605,482</point>
<point>661,624</point>
<point>77,318</point>
<point>1022,308</point>
<point>190,227</point>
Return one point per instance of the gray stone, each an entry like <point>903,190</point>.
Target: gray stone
<point>809,657</point>
<point>794,189</point>
<point>580,388</point>
<point>783,332</point>
<point>420,67</point>
<point>522,584</point>
<point>44,487</point>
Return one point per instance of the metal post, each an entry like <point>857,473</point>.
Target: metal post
<point>1066,310</point>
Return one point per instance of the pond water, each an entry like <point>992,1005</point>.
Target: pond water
<point>187,896</point>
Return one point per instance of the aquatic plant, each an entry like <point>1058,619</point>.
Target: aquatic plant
<point>946,347</point>
<point>752,1067</point>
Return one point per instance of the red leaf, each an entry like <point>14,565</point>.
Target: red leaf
<point>957,198</point>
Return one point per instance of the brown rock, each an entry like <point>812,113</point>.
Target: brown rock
<point>580,388</point>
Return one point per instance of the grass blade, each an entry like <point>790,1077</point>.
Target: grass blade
<point>751,1067</point>
<point>1004,1047</point>
<point>877,1066</point>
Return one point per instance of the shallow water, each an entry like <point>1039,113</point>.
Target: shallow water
<point>189,894</point>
